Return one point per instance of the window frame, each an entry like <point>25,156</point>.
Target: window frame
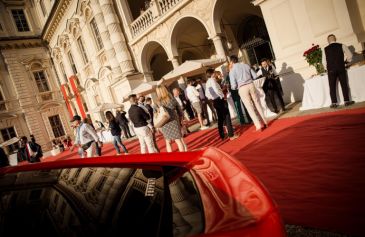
<point>2,101</point>
<point>72,62</point>
<point>63,71</point>
<point>25,17</point>
<point>81,46</point>
<point>58,130</point>
<point>45,80</point>
<point>96,34</point>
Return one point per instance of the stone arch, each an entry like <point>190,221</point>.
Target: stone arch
<point>103,71</point>
<point>36,65</point>
<point>217,13</point>
<point>228,21</point>
<point>174,35</point>
<point>154,59</point>
<point>146,51</point>
<point>90,82</point>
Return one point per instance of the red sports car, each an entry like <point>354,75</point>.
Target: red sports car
<point>200,193</point>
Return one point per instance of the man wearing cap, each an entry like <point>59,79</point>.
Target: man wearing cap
<point>86,137</point>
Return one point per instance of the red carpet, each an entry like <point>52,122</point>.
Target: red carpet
<point>314,166</point>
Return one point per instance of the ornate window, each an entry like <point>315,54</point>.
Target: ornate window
<point>82,49</point>
<point>2,102</point>
<point>41,80</point>
<point>20,20</point>
<point>72,62</point>
<point>43,7</point>
<point>63,72</point>
<point>96,33</point>
<point>56,125</point>
<point>7,134</point>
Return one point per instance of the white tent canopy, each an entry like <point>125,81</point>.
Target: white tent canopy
<point>144,88</point>
<point>9,142</point>
<point>106,106</point>
<point>192,68</point>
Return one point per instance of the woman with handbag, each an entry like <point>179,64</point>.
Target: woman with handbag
<point>116,132</point>
<point>169,119</point>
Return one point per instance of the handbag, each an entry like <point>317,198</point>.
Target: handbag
<point>161,117</point>
<point>86,145</point>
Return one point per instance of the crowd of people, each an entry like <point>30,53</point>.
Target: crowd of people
<point>29,151</point>
<point>171,111</point>
<point>204,99</point>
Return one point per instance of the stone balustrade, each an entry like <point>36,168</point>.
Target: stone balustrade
<point>48,96</point>
<point>157,9</point>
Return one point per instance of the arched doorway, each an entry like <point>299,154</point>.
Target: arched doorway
<point>190,40</point>
<point>155,62</point>
<point>243,30</point>
<point>254,39</point>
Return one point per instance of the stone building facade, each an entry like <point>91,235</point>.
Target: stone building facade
<point>102,49</point>
<point>30,98</point>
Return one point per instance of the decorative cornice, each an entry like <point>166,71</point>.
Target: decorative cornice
<point>21,44</point>
<point>54,21</point>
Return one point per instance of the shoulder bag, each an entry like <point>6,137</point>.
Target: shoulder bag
<point>161,117</point>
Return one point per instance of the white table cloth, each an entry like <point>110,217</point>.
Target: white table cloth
<point>261,94</point>
<point>317,93</point>
<point>13,159</point>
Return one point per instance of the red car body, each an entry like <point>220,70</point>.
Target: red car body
<point>234,202</point>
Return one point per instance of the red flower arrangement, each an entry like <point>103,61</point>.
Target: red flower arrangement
<point>314,58</point>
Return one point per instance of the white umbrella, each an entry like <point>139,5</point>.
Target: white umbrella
<point>10,141</point>
<point>144,88</point>
<point>192,68</point>
<point>106,106</point>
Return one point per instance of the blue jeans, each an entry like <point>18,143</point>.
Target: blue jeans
<point>118,142</point>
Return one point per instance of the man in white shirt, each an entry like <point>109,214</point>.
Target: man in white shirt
<point>241,78</point>
<point>193,95</point>
<point>214,92</point>
<point>86,137</point>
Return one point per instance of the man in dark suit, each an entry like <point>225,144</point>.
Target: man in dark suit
<point>183,102</point>
<point>31,151</point>
<point>334,60</point>
<point>4,161</point>
<point>123,122</point>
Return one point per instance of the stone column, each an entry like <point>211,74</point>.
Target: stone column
<point>175,64</point>
<point>218,44</point>
<point>148,75</point>
<point>117,38</point>
<point>108,46</point>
